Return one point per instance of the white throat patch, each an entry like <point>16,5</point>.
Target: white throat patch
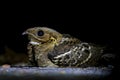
<point>34,43</point>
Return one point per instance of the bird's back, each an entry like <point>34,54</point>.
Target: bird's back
<point>73,52</point>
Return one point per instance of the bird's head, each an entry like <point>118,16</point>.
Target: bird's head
<point>40,35</point>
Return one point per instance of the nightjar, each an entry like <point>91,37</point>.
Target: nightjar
<point>49,48</point>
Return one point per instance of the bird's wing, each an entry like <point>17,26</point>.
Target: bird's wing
<point>71,55</point>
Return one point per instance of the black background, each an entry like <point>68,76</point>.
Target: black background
<point>96,24</point>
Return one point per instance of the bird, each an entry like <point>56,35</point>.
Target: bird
<point>50,48</point>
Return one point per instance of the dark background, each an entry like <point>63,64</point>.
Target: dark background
<point>91,23</point>
<point>98,28</point>
<point>96,24</point>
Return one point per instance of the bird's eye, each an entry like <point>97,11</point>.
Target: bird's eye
<point>40,33</point>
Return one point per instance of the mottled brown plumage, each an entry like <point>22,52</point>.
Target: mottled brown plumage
<point>49,48</point>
